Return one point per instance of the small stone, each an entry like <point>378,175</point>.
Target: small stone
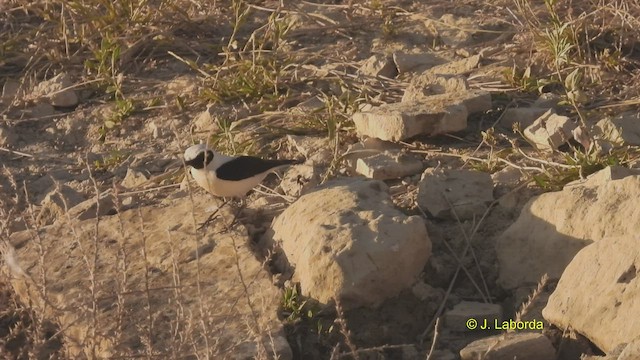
<point>405,62</point>
<point>388,165</point>
<point>550,131</point>
<point>134,179</point>
<point>379,65</point>
<point>368,147</point>
<point>447,193</point>
<point>521,346</point>
<point>456,318</point>
<point>57,91</point>
<point>205,121</point>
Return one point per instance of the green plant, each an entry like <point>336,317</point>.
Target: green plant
<point>293,306</point>
<point>110,161</point>
<point>123,108</point>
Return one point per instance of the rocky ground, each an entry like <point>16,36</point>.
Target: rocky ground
<point>469,189</point>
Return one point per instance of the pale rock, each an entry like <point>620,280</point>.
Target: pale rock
<point>367,147</point>
<point>160,247</point>
<point>474,100</point>
<point>316,150</point>
<point>134,178</point>
<point>428,84</point>
<point>389,165</point>
<point>456,318</point>
<point>205,121</point>
<point>379,65</point>
<point>468,192</point>
<point>400,121</point>
<point>550,131</point>
<point>56,204</point>
<point>300,179</point>
<point>553,227</point>
<point>599,290</point>
<point>458,67</point>
<point>406,62</point>
<point>346,240</point>
<point>517,345</point>
<point>57,91</point>
<point>523,116</point>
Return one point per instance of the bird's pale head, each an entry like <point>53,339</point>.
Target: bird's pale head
<point>198,156</point>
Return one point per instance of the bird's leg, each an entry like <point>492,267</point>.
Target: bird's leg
<point>242,204</point>
<point>213,215</point>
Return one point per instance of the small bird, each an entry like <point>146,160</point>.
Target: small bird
<point>228,176</point>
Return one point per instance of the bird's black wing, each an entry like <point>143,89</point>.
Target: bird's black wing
<point>245,167</point>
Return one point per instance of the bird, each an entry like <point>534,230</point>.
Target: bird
<point>229,176</point>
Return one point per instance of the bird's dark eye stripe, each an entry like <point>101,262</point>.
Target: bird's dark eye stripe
<point>203,159</point>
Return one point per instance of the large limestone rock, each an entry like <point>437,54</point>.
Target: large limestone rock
<point>146,282</point>
<point>421,113</point>
<point>553,227</point>
<point>400,121</point>
<point>598,293</point>
<point>347,241</point>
